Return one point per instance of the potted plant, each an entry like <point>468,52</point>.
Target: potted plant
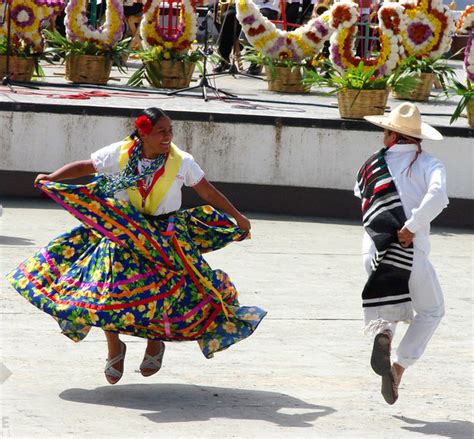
<point>23,62</point>
<point>359,91</point>
<point>284,54</point>
<point>284,75</point>
<point>166,67</point>
<point>87,62</point>
<point>427,69</point>
<point>466,102</point>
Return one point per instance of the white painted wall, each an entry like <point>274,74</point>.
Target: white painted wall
<point>234,153</point>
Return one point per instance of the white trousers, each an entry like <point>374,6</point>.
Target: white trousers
<point>428,304</point>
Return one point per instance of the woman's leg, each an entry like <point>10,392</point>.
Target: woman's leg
<point>115,349</point>
<point>153,357</point>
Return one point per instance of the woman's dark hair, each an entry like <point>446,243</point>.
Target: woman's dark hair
<point>154,114</point>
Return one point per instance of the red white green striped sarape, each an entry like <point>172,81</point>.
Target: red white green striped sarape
<point>122,272</point>
<point>386,294</point>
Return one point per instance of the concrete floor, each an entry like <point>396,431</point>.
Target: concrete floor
<point>254,97</point>
<point>305,373</point>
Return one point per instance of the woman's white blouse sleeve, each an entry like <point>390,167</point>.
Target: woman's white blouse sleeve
<point>107,160</point>
<point>194,174</point>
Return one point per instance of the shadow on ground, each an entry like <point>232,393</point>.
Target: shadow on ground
<point>454,428</point>
<point>15,240</point>
<point>188,403</point>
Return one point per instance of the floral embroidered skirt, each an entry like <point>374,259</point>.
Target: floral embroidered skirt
<point>124,273</point>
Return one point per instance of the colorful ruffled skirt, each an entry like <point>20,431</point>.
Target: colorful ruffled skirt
<point>125,273</point>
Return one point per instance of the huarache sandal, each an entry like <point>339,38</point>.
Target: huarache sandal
<point>112,374</point>
<point>152,363</point>
<point>389,388</point>
<point>380,360</point>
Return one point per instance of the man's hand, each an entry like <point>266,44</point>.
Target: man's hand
<point>405,237</point>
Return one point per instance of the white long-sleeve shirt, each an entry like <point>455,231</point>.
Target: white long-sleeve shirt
<point>422,191</point>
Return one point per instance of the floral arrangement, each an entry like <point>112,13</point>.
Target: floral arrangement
<point>360,77</point>
<point>154,35</point>
<point>429,29</point>
<point>106,36</point>
<point>344,16</point>
<point>28,17</point>
<point>277,44</point>
<point>466,25</point>
<point>152,58</point>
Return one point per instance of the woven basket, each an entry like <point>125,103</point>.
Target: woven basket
<point>21,69</point>
<point>88,69</point>
<point>285,80</point>
<point>470,112</point>
<point>170,74</point>
<point>356,104</point>
<point>422,91</point>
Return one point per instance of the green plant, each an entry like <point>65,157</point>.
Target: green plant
<point>20,49</point>
<point>436,65</point>
<point>359,78</point>
<point>465,91</point>
<point>151,59</point>
<point>59,45</point>
<point>256,57</point>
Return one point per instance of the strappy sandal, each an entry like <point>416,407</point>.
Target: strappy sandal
<point>152,363</point>
<point>112,374</point>
<point>380,360</point>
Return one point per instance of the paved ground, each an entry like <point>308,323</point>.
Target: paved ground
<point>304,373</point>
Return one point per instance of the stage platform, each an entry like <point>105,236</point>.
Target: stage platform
<point>270,152</point>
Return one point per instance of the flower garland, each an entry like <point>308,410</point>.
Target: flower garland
<point>277,44</point>
<point>429,30</point>
<point>154,35</point>
<point>28,17</point>
<point>466,25</point>
<point>344,16</point>
<point>79,29</point>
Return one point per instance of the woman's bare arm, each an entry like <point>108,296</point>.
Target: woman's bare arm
<point>69,171</point>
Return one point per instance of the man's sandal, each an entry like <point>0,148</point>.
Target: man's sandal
<point>380,360</point>
<point>112,374</point>
<point>152,363</point>
<point>389,388</point>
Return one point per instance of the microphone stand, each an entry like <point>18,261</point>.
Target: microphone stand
<point>7,80</point>
<point>204,82</point>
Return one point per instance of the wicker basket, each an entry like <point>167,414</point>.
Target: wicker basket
<point>356,104</point>
<point>422,91</point>
<point>170,74</point>
<point>470,112</point>
<point>88,69</point>
<point>286,80</point>
<point>21,69</point>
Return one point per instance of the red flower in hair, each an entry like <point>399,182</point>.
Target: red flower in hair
<point>144,124</point>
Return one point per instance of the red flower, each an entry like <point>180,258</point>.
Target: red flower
<point>372,78</point>
<point>144,125</point>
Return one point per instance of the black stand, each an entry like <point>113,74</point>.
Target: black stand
<point>233,70</point>
<point>203,83</point>
<point>6,80</point>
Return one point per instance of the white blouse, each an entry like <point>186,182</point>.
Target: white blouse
<point>422,192</point>
<point>106,161</point>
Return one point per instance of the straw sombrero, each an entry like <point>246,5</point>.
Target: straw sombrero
<point>406,119</point>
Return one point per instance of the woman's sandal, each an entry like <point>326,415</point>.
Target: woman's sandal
<point>112,374</point>
<point>152,363</point>
<point>380,360</point>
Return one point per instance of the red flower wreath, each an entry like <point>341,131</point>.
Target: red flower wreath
<point>144,124</point>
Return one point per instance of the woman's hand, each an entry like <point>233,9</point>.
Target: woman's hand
<point>40,177</point>
<point>243,222</point>
<point>405,237</point>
